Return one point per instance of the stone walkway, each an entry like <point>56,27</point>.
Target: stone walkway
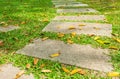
<point>80,55</point>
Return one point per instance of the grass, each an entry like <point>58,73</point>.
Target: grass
<point>32,16</point>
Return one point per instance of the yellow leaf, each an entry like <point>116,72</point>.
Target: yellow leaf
<point>75,71</point>
<point>70,41</point>
<point>45,20</point>
<point>100,41</point>
<point>42,65</point>
<point>23,22</point>
<point>36,61</point>
<point>82,72</point>
<point>46,71</point>
<point>55,55</point>
<point>65,70</point>
<point>61,35</point>
<point>28,66</point>
<point>118,40</point>
<point>19,74</point>
<point>96,38</point>
<point>96,28</point>
<point>45,38</point>
<point>113,74</point>
<point>113,47</point>
<point>73,34</point>
<point>71,27</point>
<point>82,24</point>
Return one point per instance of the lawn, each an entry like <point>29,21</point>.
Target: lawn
<point>32,16</point>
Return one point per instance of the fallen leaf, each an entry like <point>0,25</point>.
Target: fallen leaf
<point>96,38</point>
<point>82,72</point>
<point>96,28</point>
<point>19,74</point>
<point>114,34</point>
<point>75,71</point>
<point>80,28</point>
<point>73,34</point>
<point>46,71</point>
<point>100,41</point>
<point>71,27</point>
<point>1,43</point>
<point>36,61</point>
<point>42,65</point>
<point>45,38</point>
<point>55,55</point>
<point>23,22</point>
<point>117,39</point>
<point>45,20</point>
<point>61,35</point>
<point>82,24</point>
<point>113,47</point>
<point>65,69</point>
<point>28,66</point>
<point>113,74</point>
<point>69,41</point>
<point>91,35</point>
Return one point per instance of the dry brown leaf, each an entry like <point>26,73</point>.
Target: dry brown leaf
<point>55,54</point>
<point>23,22</point>
<point>46,71</point>
<point>65,69</point>
<point>36,61</point>
<point>82,24</point>
<point>82,72</point>
<point>1,43</point>
<point>61,35</point>
<point>71,27</point>
<point>69,41</point>
<point>75,71</point>
<point>28,66</point>
<point>96,28</point>
<point>45,38</point>
<point>19,74</point>
<point>113,74</point>
<point>42,65</point>
<point>91,35</point>
<point>113,47</point>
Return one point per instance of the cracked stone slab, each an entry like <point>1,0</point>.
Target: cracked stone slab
<point>8,71</point>
<point>70,5</point>
<point>77,10</point>
<point>8,28</point>
<point>88,28</point>
<point>73,54</point>
<point>81,17</point>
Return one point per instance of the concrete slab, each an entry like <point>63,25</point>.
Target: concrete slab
<point>77,10</point>
<point>81,17</point>
<point>9,72</point>
<point>8,28</point>
<point>70,5</point>
<point>72,54</point>
<point>88,28</point>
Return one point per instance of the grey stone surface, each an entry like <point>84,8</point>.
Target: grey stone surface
<point>9,72</point>
<point>79,55</point>
<point>89,28</point>
<point>81,17</point>
<point>8,28</point>
<point>77,10</point>
<point>66,2</point>
<point>70,5</point>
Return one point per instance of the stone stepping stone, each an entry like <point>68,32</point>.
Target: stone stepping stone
<point>8,28</point>
<point>70,5</point>
<point>73,54</point>
<point>80,17</point>
<point>77,10</point>
<point>8,71</point>
<point>88,28</point>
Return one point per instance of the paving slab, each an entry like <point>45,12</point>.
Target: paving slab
<point>88,28</point>
<point>77,10</point>
<point>70,5</point>
<point>73,54</point>
<point>8,71</point>
<point>80,17</point>
<point>8,28</point>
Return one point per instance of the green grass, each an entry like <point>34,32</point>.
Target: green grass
<point>32,16</point>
